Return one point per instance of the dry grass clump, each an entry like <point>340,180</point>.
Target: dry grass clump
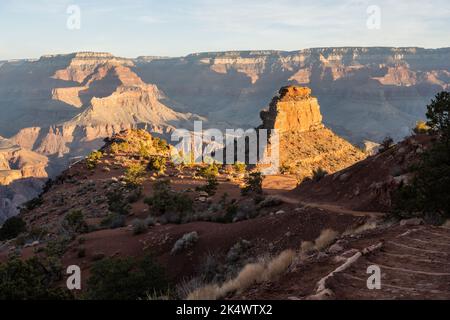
<point>326,237</point>
<point>366,226</point>
<point>252,273</point>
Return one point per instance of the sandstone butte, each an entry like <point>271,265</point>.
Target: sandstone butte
<point>305,143</point>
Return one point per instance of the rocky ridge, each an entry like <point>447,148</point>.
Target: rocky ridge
<point>305,144</point>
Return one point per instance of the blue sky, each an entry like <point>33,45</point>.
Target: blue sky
<point>31,28</point>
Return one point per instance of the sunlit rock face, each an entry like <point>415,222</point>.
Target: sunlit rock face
<point>305,144</point>
<point>293,110</point>
<point>365,93</point>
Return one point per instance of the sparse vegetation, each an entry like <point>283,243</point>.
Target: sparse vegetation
<point>325,238</point>
<point>160,145</point>
<point>286,169</point>
<point>33,203</point>
<point>33,279</point>
<point>125,279</point>
<point>121,147</point>
<point>438,115</point>
<point>93,158</point>
<point>251,274</point>
<point>210,171</point>
<point>185,242</point>
<point>57,247</point>
<point>386,144</point>
<point>253,183</point>
<point>75,222</point>
<point>239,167</point>
<point>12,228</point>
<point>421,127</point>
<point>113,221</point>
<point>427,195</point>
<point>117,203</point>
<point>134,174</point>
<point>157,163</point>
<point>139,226</point>
<point>210,187</point>
<point>271,201</point>
<point>318,174</point>
<point>166,202</point>
<point>144,151</point>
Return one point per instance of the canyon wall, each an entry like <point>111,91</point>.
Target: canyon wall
<point>365,93</point>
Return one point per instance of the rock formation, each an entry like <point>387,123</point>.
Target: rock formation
<point>22,173</point>
<point>62,106</point>
<point>293,110</point>
<point>365,93</point>
<point>78,100</point>
<point>305,144</point>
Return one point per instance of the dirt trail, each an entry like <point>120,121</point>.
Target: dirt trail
<point>414,264</point>
<point>330,207</point>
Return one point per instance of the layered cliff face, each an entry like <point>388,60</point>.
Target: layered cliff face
<point>84,64</point>
<point>109,97</point>
<point>60,108</point>
<point>365,93</point>
<point>22,174</point>
<point>305,144</point>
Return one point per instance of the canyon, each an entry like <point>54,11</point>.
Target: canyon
<point>56,109</point>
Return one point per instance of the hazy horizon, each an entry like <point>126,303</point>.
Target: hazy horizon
<point>176,28</point>
<point>207,52</point>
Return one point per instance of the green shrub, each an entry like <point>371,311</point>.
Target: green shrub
<point>421,127</point>
<point>253,183</point>
<point>117,203</point>
<point>121,147</point>
<point>74,220</point>
<point>185,242</point>
<point>144,151</point>
<point>210,171</point>
<point>165,200</point>
<point>134,174</point>
<point>427,195</point>
<point>93,158</point>
<point>210,187</point>
<point>438,115</point>
<point>230,212</point>
<point>33,203</point>
<point>319,174</point>
<point>160,145</point>
<point>239,167</point>
<point>157,163</point>
<point>125,279</point>
<point>135,194</point>
<point>386,144</point>
<point>12,228</point>
<point>57,247</point>
<point>113,221</point>
<point>32,279</point>
<point>139,226</point>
